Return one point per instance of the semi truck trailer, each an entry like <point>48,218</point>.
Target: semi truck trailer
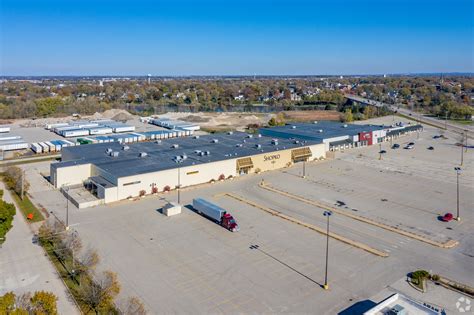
<point>215,213</point>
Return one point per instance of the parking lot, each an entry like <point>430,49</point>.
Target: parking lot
<point>186,263</point>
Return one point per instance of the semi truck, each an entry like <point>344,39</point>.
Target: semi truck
<point>215,213</point>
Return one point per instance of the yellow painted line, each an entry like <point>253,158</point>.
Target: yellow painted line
<point>447,244</point>
<point>338,237</point>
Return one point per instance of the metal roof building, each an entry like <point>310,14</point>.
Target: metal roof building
<point>117,171</point>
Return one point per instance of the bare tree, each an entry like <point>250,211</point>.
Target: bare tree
<point>99,294</point>
<point>133,306</point>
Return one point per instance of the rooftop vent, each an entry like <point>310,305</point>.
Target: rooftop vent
<point>259,135</point>
<point>249,136</point>
<point>320,130</point>
<point>293,127</point>
<point>238,145</point>
<point>197,151</point>
<point>344,126</point>
<point>258,146</point>
<point>184,156</point>
<point>207,152</point>
<point>230,133</point>
<point>296,142</point>
<point>114,154</point>
<point>158,141</point>
<point>215,140</point>
<point>125,148</point>
<point>196,137</point>
<point>108,151</point>
<point>202,153</point>
<point>175,146</point>
<point>143,154</point>
<point>315,122</point>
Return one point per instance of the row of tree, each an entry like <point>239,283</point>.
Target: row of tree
<point>95,292</point>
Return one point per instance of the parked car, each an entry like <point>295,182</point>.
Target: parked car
<point>395,146</point>
<point>383,152</point>
<point>411,143</point>
<point>436,137</point>
<point>430,148</point>
<point>447,217</point>
<point>408,147</point>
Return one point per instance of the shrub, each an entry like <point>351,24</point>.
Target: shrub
<point>142,193</point>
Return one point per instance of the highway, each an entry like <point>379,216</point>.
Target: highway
<point>416,116</point>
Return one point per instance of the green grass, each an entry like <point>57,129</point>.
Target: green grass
<point>462,122</point>
<point>26,207</point>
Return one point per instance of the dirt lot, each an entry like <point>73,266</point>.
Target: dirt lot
<point>311,115</point>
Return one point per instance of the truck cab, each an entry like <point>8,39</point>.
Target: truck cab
<point>229,223</point>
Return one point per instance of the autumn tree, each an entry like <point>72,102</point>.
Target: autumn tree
<point>99,294</point>
<point>13,178</point>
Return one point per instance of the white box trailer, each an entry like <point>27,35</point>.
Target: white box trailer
<point>52,147</point>
<point>8,138</point>
<point>56,125</point>
<point>36,148</point>
<point>44,146</point>
<point>125,128</point>
<point>4,129</point>
<point>75,133</point>
<point>100,131</point>
<point>13,145</point>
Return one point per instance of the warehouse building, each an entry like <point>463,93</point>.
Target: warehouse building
<point>115,171</point>
<point>337,136</point>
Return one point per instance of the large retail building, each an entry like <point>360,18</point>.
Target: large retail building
<point>116,171</point>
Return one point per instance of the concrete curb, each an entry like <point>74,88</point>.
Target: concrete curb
<point>447,244</point>
<point>309,226</point>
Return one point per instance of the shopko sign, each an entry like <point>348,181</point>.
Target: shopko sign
<point>271,157</point>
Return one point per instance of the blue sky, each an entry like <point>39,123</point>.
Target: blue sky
<point>184,37</point>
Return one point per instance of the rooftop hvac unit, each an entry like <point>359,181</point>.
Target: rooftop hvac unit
<point>108,151</point>
<point>125,148</point>
<point>320,130</point>
<point>258,146</point>
<point>293,127</point>
<point>315,122</point>
<point>143,154</point>
<point>158,141</point>
<point>196,137</point>
<point>202,153</point>
<point>249,136</point>
<point>175,146</point>
<point>344,126</point>
<point>238,145</point>
<point>197,151</point>
<point>296,142</point>
<point>184,156</point>
<point>230,133</point>
<point>114,154</point>
<point>215,140</point>
<point>208,153</point>
<point>259,135</point>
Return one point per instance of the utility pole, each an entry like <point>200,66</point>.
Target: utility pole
<point>458,172</point>
<point>462,150</point>
<point>22,183</point>
<point>327,214</point>
<point>67,209</point>
<point>179,184</point>
<point>304,168</point>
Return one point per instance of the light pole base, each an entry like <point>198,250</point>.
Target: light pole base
<point>458,219</point>
<point>67,227</point>
<point>303,176</point>
<point>326,286</point>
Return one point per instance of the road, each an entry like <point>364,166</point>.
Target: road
<point>417,116</point>
<point>25,268</point>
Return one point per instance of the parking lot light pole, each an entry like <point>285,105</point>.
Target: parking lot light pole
<point>458,172</point>
<point>304,168</point>
<point>327,214</point>
<point>380,151</point>
<point>462,150</point>
<point>179,184</point>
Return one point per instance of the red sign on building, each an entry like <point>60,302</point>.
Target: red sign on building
<point>366,136</point>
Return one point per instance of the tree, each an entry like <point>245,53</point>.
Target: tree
<point>44,303</point>
<point>87,261</point>
<point>7,212</point>
<point>7,302</point>
<point>13,178</point>
<point>133,306</point>
<point>48,106</point>
<point>348,117</point>
<point>99,294</point>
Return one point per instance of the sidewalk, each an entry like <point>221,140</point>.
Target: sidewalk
<point>24,266</point>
